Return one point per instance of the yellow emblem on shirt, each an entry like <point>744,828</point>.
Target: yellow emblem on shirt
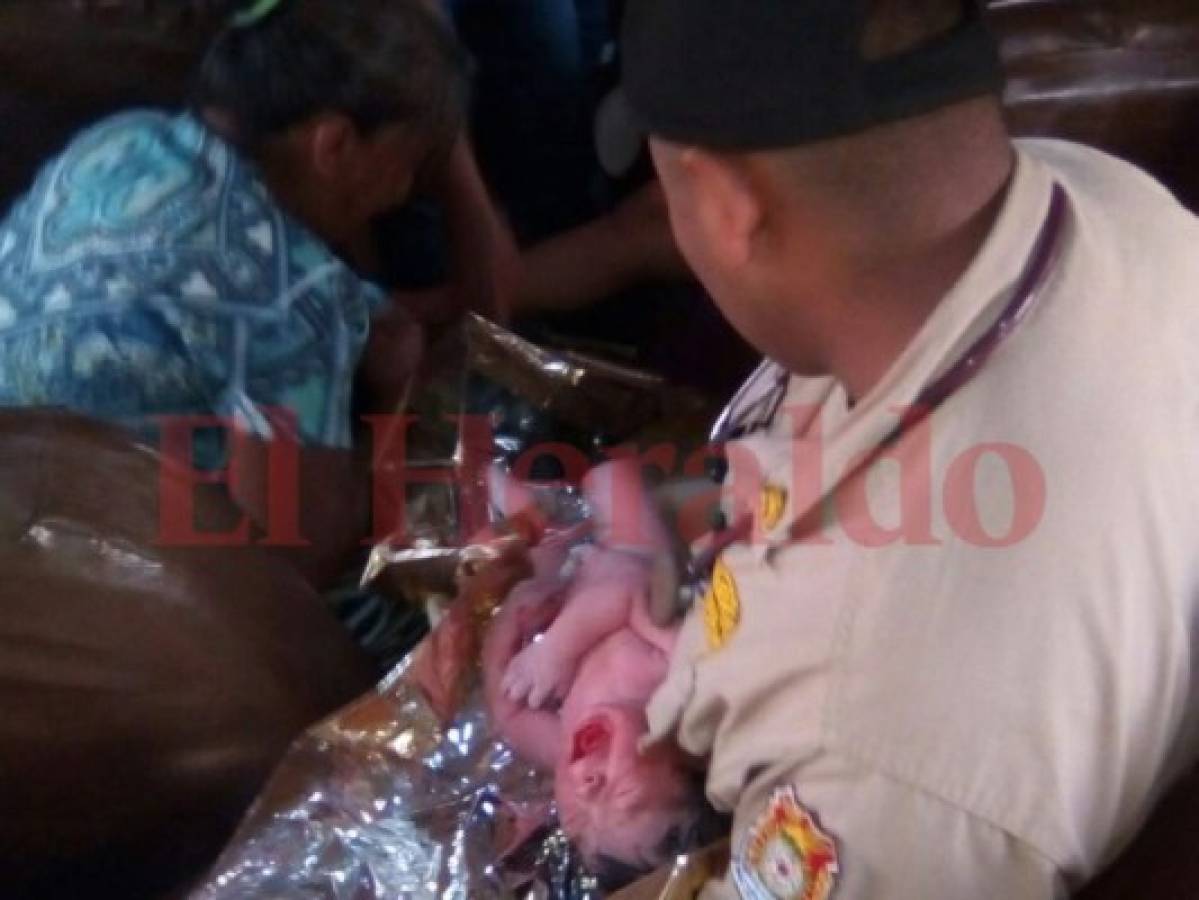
<point>774,505</point>
<point>722,606</point>
<point>786,855</point>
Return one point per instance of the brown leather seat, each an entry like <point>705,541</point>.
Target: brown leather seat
<point>1119,74</point>
<point>146,692</point>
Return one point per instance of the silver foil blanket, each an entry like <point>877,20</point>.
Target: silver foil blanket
<point>382,802</point>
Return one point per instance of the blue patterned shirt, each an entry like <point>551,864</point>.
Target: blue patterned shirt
<point>149,273</point>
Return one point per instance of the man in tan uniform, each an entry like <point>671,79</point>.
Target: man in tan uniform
<point>951,653</point>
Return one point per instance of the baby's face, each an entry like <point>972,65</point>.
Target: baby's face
<point>613,800</point>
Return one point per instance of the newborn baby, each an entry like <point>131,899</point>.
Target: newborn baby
<point>570,663</point>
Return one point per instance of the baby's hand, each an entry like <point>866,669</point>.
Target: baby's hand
<point>538,674</point>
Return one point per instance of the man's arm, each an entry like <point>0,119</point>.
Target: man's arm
<point>484,260</point>
<point>871,835</point>
<point>632,245</point>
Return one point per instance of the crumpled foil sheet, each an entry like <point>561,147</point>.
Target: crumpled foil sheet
<point>599,397</point>
<point>381,802</point>
<point>384,801</point>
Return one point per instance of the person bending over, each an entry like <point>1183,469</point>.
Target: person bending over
<point>206,263</point>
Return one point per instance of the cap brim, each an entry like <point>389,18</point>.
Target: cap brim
<point>619,139</point>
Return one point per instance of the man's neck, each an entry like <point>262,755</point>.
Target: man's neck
<point>886,307</point>
<point>891,269</point>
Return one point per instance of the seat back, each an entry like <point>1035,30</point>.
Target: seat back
<point>147,691</point>
<point>1119,74</point>
<point>1122,75</point>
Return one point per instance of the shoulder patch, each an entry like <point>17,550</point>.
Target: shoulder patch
<point>786,855</point>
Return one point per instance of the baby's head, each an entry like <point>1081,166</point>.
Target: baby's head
<point>629,811</point>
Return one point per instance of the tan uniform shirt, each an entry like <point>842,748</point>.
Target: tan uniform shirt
<point>975,673</point>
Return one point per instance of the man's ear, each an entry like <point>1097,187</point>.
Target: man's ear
<point>332,142</point>
<point>726,207</point>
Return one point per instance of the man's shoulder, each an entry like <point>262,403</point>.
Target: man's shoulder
<point>1135,205</point>
<point>1122,289</point>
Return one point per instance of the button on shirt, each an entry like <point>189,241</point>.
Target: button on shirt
<point>972,660</point>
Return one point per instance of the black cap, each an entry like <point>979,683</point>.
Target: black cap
<point>765,74</point>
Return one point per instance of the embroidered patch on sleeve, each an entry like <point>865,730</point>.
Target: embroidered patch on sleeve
<point>786,855</point>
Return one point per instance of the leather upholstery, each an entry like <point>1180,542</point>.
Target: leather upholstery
<point>1120,74</point>
<point>146,692</point>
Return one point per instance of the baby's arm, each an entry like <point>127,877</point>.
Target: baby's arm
<point>534,736</point>
<point>612,582</point>
<point>594,610</point>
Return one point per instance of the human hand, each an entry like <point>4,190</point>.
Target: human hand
<point>485,262</point>
<point>444,662</point>
<point>538,674</point>
<point>530,608</point>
